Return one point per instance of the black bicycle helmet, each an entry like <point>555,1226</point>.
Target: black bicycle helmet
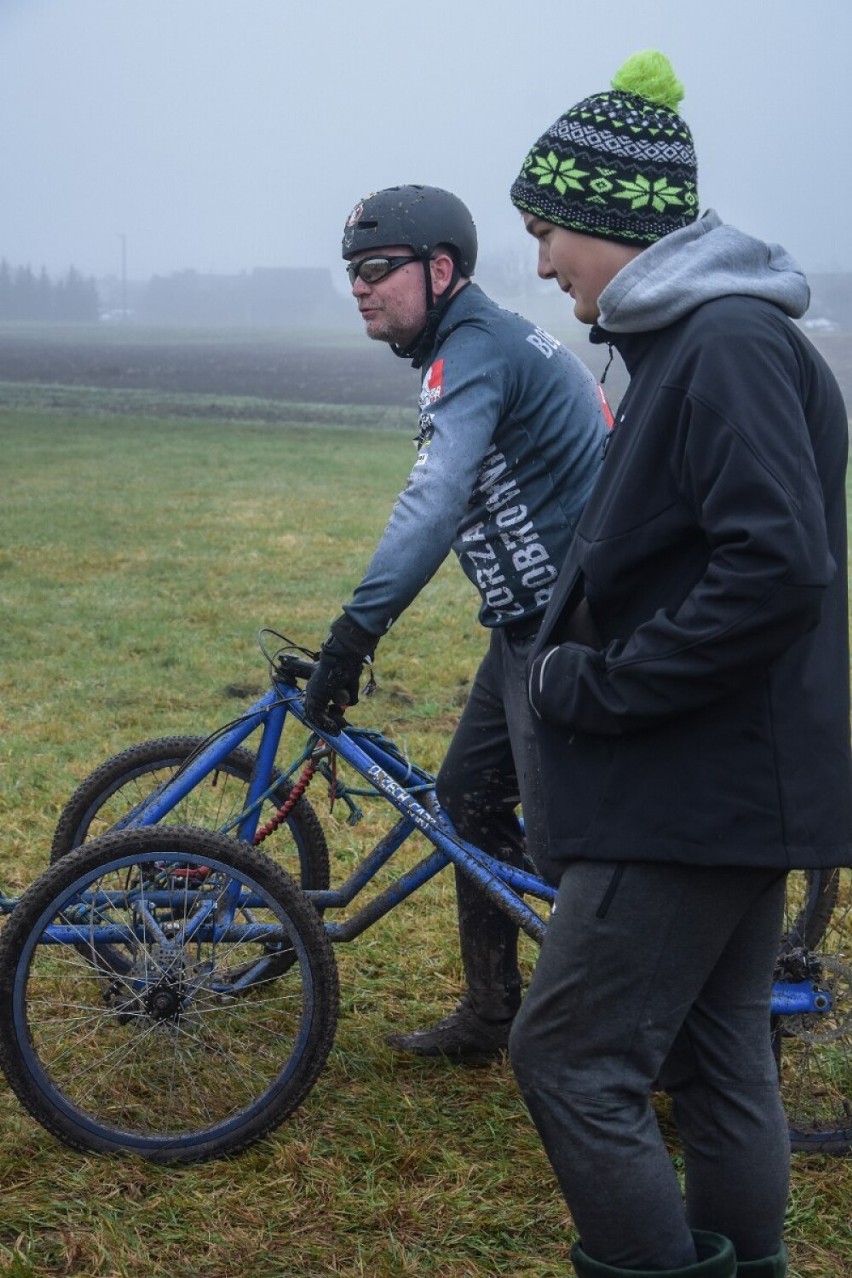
<point>421,217</point>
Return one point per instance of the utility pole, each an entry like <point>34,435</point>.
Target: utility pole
<point>123,239</point>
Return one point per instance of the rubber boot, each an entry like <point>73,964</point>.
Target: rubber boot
<point>716,1259</point>
<point>477,1030</point>
<point>768,1267</point>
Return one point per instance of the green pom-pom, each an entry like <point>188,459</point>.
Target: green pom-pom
<point>650,75</point>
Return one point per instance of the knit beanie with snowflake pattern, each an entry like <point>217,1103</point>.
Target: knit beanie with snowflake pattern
<point>620,165</point>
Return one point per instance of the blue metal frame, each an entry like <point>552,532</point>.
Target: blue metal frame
<point>397,782</point>
<point>392,778</point>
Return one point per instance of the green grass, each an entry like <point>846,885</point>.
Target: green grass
<point>94,401</point>
<point>138,558</point>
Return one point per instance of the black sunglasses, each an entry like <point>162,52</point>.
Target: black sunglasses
<point>373,269</point>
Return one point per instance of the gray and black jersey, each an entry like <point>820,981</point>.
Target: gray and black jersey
<point>510,439</point>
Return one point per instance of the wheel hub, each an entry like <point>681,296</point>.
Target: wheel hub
<point>164,1001</point>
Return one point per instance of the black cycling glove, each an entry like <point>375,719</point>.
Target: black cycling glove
<point>335,683</point>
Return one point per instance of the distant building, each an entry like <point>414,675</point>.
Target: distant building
<point>267,297</point>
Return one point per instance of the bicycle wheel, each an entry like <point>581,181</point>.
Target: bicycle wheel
<point>811,897</point>
<point>123,782</point>
<point>165,1060</point>
<point>814,1049</point>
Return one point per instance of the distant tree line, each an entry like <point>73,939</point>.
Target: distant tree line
<point>27,296</point>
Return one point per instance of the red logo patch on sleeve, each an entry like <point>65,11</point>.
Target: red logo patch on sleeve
<point>433,384</point>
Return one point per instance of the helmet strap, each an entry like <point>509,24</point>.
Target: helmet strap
<point>421,346</point>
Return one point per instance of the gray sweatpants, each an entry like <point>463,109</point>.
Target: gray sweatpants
<point>659,974</point>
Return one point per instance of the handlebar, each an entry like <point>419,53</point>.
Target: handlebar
<point>289,666</point>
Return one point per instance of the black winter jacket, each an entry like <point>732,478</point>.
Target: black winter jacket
<point>691,675</point>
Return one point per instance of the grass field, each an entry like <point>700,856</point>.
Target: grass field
<point>138,557</point>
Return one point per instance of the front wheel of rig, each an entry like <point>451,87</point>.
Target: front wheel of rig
<point>212,1029</point>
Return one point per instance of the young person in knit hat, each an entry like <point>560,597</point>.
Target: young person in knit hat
<point>690,688</point>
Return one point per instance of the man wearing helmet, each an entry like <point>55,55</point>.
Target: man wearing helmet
<point>510,439</point>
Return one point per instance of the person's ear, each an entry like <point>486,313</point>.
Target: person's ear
<point>441,266</point>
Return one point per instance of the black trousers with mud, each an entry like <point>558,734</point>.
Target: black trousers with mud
<point>488,770</point>
<point>659,973</point>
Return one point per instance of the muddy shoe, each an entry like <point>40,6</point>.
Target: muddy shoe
<point>463,1037</point>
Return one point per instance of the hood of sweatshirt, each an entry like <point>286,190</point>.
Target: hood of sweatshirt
<point>696,264</point>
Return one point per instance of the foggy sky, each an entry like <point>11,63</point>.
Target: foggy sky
<point>222,135</point>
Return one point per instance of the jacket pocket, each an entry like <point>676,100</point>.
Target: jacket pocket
<point>575,778</point>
